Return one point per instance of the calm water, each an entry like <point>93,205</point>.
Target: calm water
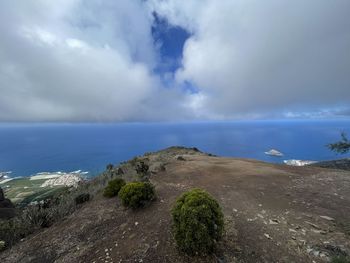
<point>29,149</point>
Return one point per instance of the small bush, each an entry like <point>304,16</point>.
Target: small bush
<point>82,198</point>
<point>180,158</point>
<point>340,259</point>
<point>109,167</point>
<point>2,245</point>
<point>113,187</point>
<point>120,171</point>
<point>142,170</point>
<point>11,231</point>
<point>197,222</point>
<point>136,194</point>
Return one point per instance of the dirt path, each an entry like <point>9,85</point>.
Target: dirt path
<point>274,213</point>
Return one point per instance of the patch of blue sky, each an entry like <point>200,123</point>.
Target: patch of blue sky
<point>169,40</point>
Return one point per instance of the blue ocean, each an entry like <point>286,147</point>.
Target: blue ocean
<point>27,149</point>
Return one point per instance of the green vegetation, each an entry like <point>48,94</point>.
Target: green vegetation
<point>56,206</point>
<point>39,208</point>
<point>22,191</point>
<point>2,245</point>
<point>136,194</point>
<point>109,167</point>
<point>180,158</point>
<point>142,170</point>
<point>340,259</point>
<point>82,198</point>
<point>34,217</point>
<point>342,146</point>
<point>197,222</point>
<point>134,161</point>
<point>113,187</point>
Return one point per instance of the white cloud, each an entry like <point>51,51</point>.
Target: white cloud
<point>79,60</point>
<point>262,57</point>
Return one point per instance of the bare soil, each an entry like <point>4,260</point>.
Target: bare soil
<point>273,213</point>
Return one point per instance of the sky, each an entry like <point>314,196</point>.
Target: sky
<point>173,60</point>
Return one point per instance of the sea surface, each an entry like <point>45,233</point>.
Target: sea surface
<point>27,149</point>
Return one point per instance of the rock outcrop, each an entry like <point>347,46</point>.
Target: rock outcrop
<point>7,209</point>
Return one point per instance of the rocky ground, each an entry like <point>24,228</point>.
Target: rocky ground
<point>343,164</point>
<point>273,213</point>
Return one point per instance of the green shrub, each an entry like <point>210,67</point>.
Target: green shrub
<point>340,259</point>
<point>12,230</point>
<point>180,158</point>
<point>136,194</point>
<point>109,167</point>
<point>113,187</point>
<point>2,245</point>
<point>197,222</point>
<point>82,198</point>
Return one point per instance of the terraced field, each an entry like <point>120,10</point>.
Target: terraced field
<point>22,191</point>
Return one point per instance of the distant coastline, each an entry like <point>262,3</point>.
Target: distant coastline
<point>63,147</point>
<point>32,188</point>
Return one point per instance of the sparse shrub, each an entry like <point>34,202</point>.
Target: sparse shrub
<point>340,259</point>
<point>134,161</point>
<point>197,222</point>
<point>113,187</point>
<point>2,245</point>
<point>37,215</point>
<point>82,198</point>
<point>13,230</point>
<point>342,146</point>
<point>142,170</point>
<point>180,158</point>
<point>136,194</point>
<point>109,167</point>
<point>120,171</point>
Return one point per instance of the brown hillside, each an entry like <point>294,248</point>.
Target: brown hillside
<point>274,213</point>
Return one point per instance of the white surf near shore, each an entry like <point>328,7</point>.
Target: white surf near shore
<point>6,180</point>
<point>294,162</point>
<point>41,176</point>
<point>4,177</point>
<point>50,178</point>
